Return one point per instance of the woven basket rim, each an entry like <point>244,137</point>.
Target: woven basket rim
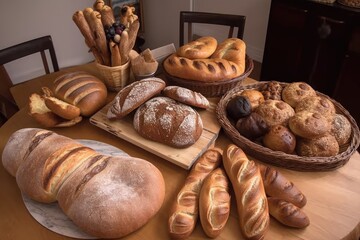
<point>281,159</point>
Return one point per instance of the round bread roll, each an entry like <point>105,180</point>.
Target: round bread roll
<point>324,146</point>
<point>167,121</point>
<point>341,129</point>
<point>186,96</point>
<point>280,138</point>
<point>200,48</point>
<point>252,126</point>
<point>255,97</point>
<point>238,107</point>
<point>317,104</point>
<point>81,89</point>
<point>295,92</point>
<point>275,112</point>
<point>272,90</point>
<point>309,124</point>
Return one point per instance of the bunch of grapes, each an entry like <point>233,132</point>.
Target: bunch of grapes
<point>114,32</point>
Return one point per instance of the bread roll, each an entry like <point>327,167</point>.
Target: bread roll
<point>295,92</point>
<point>309,124</point>
<point>318,104</point>
<point>249,192</point>
<point>324,146</point>
<point>277,185</point>
<point>185,209</point>
<point>341,129</point>
<point>272,90</point>
<point>238,107</point>
<point>186,96</point>
<point>164,120</point>
<point>81,89</point>
<point>275,112</point>
<point>214,202</point>
<point>280,138</point>
<point>132,96</point>
<point>252,126</point>
<point>105,196</point>
<point>202,47</point>
<point>287,213</point>
<point>255,97</point>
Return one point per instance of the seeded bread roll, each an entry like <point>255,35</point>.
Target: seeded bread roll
<point>275,112</point>
<point>324,146</point>
<point>309,124</point>
<point>132,96</point>
<point>319,104</point>
<point>82,90</point>
<point>202,47</point>
<point>295,92</point>
<point>164,120</point>
<point>186,96</point>
<point>341,129</point>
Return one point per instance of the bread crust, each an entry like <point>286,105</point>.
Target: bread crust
<point>186,96</point>
<point>202,47</point>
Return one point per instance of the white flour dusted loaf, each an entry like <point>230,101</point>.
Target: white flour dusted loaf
<point>167,121</point>
<point>105,196</point>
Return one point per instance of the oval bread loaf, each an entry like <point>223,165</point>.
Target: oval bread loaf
<point>167,121</point>
<point>186,96</point>
<point>202,47</point>
<point>81,89</point>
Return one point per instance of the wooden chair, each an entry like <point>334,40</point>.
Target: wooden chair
<point>189,17</point>
<point>8,106</point>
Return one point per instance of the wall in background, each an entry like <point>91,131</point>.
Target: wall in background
<point>24,20</point>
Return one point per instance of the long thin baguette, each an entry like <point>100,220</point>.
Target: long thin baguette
<point>249,192</point>
<point>185,210</point>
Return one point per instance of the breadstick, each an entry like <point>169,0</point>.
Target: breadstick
<point>115,54</point>
<point>98,5</point>
<point>100,38</point>
<point>85,30</point>
<point>87,12</point>
<point>107,16</point>
<point>249,191</point>
<point>185,211</point>
<point>124,46</point>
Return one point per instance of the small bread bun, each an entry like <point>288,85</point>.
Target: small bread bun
<point>252,126</point>
<point>238,107</point>
<point>309,124</point>
<point>254,96</point>
<point>275,112</point>
<point>280,138</point>
<point>325,146</point>
<point>272,90</point>
<point>341,129</point>
<point>317,104</point>
<point>295,92</point>
<point>61,108</point>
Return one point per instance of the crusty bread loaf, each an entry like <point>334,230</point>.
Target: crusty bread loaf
<point>167,121</point>
<point>202,47</point>
<point>277,185</point>
<point>287,213</point>
<point>81,89</point>
<point>214,202</point>
<point>106,196</point>
<point>249,191</point>
<point>132,96</point>
<point>186,96</point>
<point>185,209</point>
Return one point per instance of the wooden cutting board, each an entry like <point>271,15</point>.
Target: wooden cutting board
<point>183,157</point>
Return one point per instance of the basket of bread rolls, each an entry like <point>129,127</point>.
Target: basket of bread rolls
<point>110,40</point>
<point>208,66</point>
<point>290,125</point>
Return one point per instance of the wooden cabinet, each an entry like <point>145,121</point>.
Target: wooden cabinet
<point>316,43</point>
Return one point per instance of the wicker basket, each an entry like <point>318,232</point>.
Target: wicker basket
<point>211,89</point>
<point>277,158</point>
<point>350,3</point>
<point>115,78</point>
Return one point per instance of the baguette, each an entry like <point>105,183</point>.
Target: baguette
<point>287,213</point>
<point>105,196</point>
<point>214,203</point>
<point>115,54</point>
<point>107,16</point>
<point>249,192</point>
<point>185,210</point>
<point>276,185</point>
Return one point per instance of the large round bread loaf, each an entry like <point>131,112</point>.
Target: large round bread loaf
<point>167,121</point>
<point>106,196</point>
<point>81,89</point>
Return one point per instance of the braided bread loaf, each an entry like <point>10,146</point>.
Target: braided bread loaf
<point>106,196</point>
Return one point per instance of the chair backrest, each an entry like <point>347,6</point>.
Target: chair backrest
<point>38,45</point>
<point>189,17</point>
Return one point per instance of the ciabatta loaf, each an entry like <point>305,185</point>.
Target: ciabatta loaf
<point>249,191</point>
<point>106,196</point>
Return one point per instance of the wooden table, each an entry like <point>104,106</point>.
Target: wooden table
<point>333,197</point>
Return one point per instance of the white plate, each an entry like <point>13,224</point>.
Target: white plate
<point>51,216</point>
